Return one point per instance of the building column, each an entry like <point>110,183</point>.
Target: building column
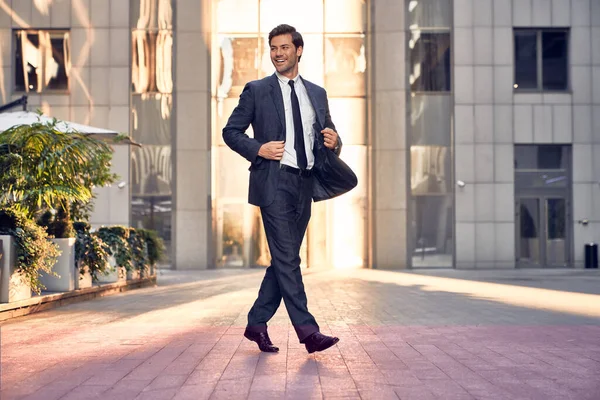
<point>388,135</point>
<point>192,192</point>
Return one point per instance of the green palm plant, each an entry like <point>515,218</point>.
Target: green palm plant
<point>42,167</point>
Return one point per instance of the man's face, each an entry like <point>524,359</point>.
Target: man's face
<point>284,55</point>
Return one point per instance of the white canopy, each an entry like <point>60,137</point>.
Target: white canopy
<point>10,119</point>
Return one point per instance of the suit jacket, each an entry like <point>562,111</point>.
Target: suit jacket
<point>261,105</point>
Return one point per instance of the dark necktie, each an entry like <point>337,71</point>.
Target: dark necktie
<point>298,130</point>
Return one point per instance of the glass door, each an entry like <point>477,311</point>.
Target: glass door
<point>542,234</point>
<point>556,232</point>
<point>528,232</point>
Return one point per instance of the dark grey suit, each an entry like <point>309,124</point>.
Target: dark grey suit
<point>284,198</point>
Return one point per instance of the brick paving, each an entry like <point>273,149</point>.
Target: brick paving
<point>437,334</point>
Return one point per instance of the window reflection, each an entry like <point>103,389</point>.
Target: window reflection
<point>526,59</point>
<point>430,119</point>
<point>238,57</point>
<point>334,58</point>
<point>555,62</point>
<point>430,169</point>
<point>151,170</point>
<point>345,16</point>
<point>151,112</point>
<point>42,60</point>
<point>345,65</point>
<point>347,215</point>
<point>306,17</point>
<point>151,14</point>
<point>430,61</point>
<point>430,13</point>
<point>151,118</point>
<point>152,61</point>
<point>432,223</point>
<point>541,157</point>
<point>226,9</point>
<point>349,116</point>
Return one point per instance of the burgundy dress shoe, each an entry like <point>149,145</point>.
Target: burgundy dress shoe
<point>319,342</point>
<point>263,341</point>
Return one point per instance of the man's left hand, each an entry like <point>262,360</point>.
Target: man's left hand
<point>331,138</point>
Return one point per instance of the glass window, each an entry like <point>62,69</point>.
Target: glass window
<point>238,64</point>
<point>345,16</point>
<point>541,157</point>
<point>334,57</point>
<point>42,60</point>
<point>151,118</point>
<point>541,59</point>
<point>345,65</point>
<point>151,14</point>
<point>306,17</point>
<point>430,14</point>
<point>349,116</point>
<point>430,61</point>
<point>432,231</point>
<point>430,119</point>
<point>541,179</point>
<point>152,65</point>
<point>431,171</point>
<point>237,16</point>
<point>554,60</point>
<point>526,60</point>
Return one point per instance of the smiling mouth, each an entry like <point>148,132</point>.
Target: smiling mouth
<point>279,61</point>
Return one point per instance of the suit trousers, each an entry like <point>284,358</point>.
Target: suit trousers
<point>285,221</point>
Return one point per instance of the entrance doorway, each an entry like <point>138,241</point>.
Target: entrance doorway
<point>542,235</point>
<point>543,206</point>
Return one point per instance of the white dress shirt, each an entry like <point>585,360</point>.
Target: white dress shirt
<point>308,119</point>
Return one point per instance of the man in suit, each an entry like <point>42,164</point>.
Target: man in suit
<point>284,110</point>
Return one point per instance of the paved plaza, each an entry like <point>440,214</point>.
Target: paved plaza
<point>436,334</point>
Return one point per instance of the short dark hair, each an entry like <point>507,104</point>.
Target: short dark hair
<point>284,29</point>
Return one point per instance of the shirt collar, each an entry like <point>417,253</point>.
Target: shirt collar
<point>285,80</point>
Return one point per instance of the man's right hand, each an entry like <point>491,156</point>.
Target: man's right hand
<point>272,150</point>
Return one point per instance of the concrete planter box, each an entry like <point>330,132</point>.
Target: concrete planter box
<point>13,285</point>
<point>134,274</point>
<point>147,271</point>
<point>64,267</point>
<point>85,279</point>
<point>117,274</point>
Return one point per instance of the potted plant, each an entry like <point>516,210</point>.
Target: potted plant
<point>154,247</point>
<point>120,256</point>
<point>26,252</point>
<point>137,245</point>
<point>43,168</point>
<point>60,230</point>
<point>91,256</point>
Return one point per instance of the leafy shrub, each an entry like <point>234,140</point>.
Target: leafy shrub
<point>116,238</point>
<point>137,245</point>
<point>90,251</point>
<point>154,244</point>
<point>35,252</point>
<point>59,224</point>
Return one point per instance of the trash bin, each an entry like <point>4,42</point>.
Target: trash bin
<point>591,255</point>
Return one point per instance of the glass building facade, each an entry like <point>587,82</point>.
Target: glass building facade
<point>472,125</point>
<point>334,57</point>
<point>430,134</point>
<point>152,165</point>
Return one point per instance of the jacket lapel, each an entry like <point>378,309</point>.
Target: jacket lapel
<point>313,100</point>
<point>278,100</point>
